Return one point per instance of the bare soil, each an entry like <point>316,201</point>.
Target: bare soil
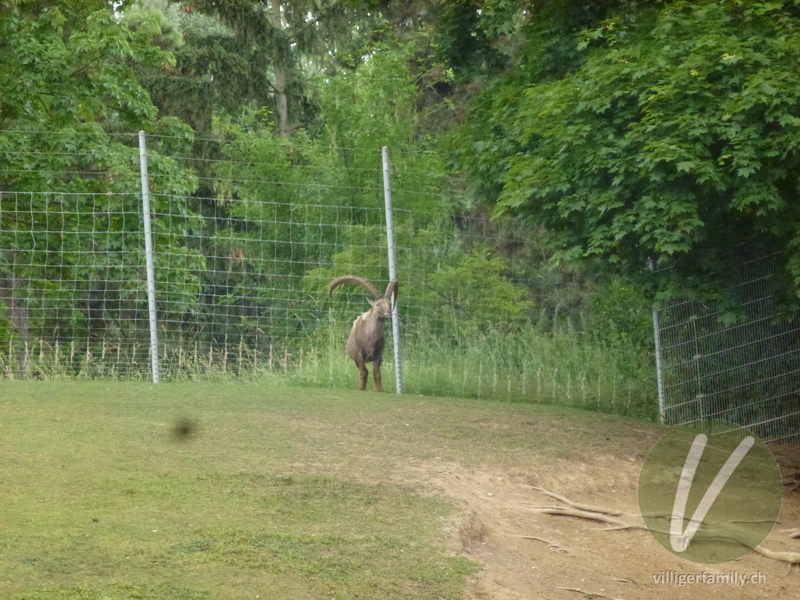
<point>574,557</point>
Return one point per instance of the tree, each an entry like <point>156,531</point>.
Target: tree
<point>66,69</point>
<point>281,105</point>
<point>674,140</point>
<point>259,54</point>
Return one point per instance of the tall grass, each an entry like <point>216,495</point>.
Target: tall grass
<point>565,365</point>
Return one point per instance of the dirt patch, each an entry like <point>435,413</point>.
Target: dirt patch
<point>529,555</point>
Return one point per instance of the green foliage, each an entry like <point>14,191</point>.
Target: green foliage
<point>68,71</point>
<point>475,288</point>
<point>444,287</point>
<point>232,55</point>
<point>69,64</point>
<point>674,141</point>
<point>465,37</point>
<point>278,208</point>
<point>355,101</point>
<point>250,226</point>
<point>621,314</point>
<point>214,72</point>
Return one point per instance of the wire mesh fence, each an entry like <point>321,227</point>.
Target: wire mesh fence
<point>246,243</point>
<point>70,278</point>
<point>746,373</point>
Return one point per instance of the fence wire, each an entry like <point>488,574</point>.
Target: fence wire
<point>747,373</point>
<point>246,244</point>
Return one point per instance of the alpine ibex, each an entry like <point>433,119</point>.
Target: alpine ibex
<point>366,340</point>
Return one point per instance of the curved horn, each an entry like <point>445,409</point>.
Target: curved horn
<point>391,289</point>
<point>357,281</point>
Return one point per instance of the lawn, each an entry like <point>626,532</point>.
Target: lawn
<point>226,491</point>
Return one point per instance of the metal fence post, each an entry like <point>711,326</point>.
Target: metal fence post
<point>148,248</point>
<point>662,407</point>
<point>387,195</point>
<point>662,404</point>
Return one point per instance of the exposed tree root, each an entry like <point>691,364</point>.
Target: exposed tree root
<point>594,513</point>
<point>792,533</point>
<point>578,505</point>
<point>792,558</point>
<point>553,546</point>
<point>617,524</point>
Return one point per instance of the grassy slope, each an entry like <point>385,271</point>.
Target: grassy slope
<point>277,492</point>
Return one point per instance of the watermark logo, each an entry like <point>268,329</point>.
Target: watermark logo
<point>710,492</point>
<point>705,578</point>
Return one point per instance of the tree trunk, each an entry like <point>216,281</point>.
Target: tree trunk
<point>281,106</point>
<point>18,315</point>
<point>17,311</point>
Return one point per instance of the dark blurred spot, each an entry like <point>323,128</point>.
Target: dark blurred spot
<point>184,429</point>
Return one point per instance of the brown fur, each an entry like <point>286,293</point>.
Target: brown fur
<point>366,341</point>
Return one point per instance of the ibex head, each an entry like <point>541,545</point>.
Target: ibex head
<point>383,306</point>
<point>381,303</point>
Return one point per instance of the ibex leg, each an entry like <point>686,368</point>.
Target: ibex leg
<point>376,374</point>
<point>362,368</point>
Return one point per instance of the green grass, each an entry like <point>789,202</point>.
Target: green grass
<point>101,500</point>
<point>566,366</point>
<point>220,491</point>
